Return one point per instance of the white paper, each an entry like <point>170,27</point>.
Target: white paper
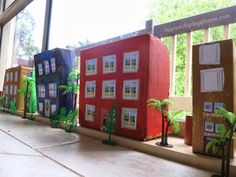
<point>53,108</point>
<point>209,54</point>
<point>212,80</point>
<point>40,107</point>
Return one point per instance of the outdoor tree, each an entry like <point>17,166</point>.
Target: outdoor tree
<point>24,41</point>
<point>166,11</point>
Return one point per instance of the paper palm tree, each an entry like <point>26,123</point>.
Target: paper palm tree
<point>223,141</point>
<point>168,117</point>
<point>72,85</point>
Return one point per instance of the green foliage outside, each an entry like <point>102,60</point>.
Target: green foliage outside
<point>166,11</point>
<point>110,124</point>
<point>24,41</point>
<point>12,107</point>
<point>68,120</point>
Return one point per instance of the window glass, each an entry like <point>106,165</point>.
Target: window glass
<point>109,89</point>
<point>131,62</point>
<point>131,89</point>
<point>109,64</point>
<point>6,90</point>
<point>28,33</point>
<point>129,118</point>
<point>90,112</point>
<point>90,88</point>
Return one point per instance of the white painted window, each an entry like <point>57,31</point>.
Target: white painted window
<point>15,89</point>
<point>130,89</point>
<point>109,89</point>
<point>7,77</point>
<point>11,89</point>
<point>41,91</point>
<point>89,112</point>
<point>131,61</point>
<point>40,69</point>
<point>16,76</point>
<point>109,64</point>
<point>91,67</point>
<point>11,76</point>
<point>90,88</point>
<point>40,107</point>
<point>52,90</point>
<point>46,67</point>
<point>6,90</point>
<point>53,65</point>
<point>129,118</point>
<point>53,108</point>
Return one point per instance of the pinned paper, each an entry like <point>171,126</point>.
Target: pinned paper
<point>209,54</point>
<point>212,80</point>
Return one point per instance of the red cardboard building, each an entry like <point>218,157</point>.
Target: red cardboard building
<point>126,73</point>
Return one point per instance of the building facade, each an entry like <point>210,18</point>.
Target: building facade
<point>52,68</point>
<point>125,73</point>
<point>12,83</point>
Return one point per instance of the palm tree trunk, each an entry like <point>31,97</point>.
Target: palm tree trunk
<point>25,100</point>
<point>166,133</point>
<point>229,151</point>
<point>162,129</point>
<point>223,162</point>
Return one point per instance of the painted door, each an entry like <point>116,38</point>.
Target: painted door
<point>47,108</point>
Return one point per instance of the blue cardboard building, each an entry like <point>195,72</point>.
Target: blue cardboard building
<point>52,68</point>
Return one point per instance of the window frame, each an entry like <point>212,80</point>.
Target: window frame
<point>51,89</point>
<point>41,92</point>
<point>110,82</point>
<point>109,58</point>
<point>87,83</point>
<point>127,56</point>
<point>133,127</point>
<point>87,63</point>
<point>87,107</point>
<point>137,90</point>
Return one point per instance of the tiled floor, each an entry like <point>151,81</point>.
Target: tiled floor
<point>31,149</point>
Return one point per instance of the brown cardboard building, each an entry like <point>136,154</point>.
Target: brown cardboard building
<point>12,83</point>
<point>214,85</point>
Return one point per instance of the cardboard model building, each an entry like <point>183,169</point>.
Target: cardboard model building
<point>214,83</point>
<point>52,68</point>
<point>125,73</point>
<point>12,83</point>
